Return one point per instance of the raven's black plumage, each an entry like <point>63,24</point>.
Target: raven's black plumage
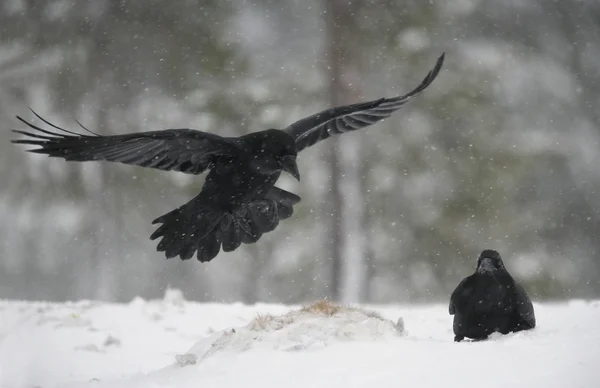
<point>239,201</point>
<point>490,301</point>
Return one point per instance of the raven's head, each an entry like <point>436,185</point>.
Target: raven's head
<point>489,261</point>
<point>276,151</point>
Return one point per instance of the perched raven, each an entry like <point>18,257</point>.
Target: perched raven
<point>490,300</point>
<point>239,201</point>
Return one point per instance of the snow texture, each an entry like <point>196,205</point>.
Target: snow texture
<point>151,344</point>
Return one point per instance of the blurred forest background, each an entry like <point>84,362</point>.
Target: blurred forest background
<point>501,152</point>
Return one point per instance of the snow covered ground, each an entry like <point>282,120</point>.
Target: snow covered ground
<point>175,343</point>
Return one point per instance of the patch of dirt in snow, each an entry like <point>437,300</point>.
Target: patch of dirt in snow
<point>311,327</point>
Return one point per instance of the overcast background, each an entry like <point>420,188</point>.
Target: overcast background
<point>501,152</point>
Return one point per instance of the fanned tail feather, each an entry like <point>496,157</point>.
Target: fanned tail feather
<point>197,227</point>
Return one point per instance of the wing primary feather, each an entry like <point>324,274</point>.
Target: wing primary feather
<point>35,135</point>
<point>83,126</point>
<point>54,126</point>
<point>32,126</point>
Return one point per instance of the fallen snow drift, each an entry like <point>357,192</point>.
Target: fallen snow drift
<point>151,344</point>
<point>312,327</point>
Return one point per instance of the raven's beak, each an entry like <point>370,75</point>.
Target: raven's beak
<point>288,164</point>
<point>486,265</point>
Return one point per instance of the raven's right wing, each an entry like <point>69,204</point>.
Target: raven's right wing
<point>334,121</point>
<point>184,150</point>
<point>457,295</point>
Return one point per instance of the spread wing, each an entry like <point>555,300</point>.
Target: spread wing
<point>322,125</point>
<point>183,150</point>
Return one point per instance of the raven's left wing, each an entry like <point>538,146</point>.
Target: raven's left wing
<point>322,125</point>
<point>524,306</point>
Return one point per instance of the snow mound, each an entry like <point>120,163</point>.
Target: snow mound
<point>311,327</point>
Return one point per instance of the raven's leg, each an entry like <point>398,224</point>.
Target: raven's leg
<point>285,201</point>
<point>192,227</point>
<point>480,338</point>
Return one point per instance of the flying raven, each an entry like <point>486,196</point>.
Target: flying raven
<point>489,301</point>
<point>239,201</point>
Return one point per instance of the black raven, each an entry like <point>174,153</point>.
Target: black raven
<point>239,201</point>
<point>489,301</point>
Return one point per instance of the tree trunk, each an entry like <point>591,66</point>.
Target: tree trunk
<point>346,197</point>
<point>108,227</point>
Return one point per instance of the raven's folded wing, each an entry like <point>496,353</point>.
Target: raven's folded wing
<point>456,295</point>
<point>462,296</point>
<point>524,306</point>
<point>184,150</point>
<point>320,126</point>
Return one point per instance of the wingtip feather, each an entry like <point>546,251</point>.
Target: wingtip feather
<point>439,63</point>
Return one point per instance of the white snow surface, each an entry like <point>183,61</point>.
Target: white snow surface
<point>176,343</point>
